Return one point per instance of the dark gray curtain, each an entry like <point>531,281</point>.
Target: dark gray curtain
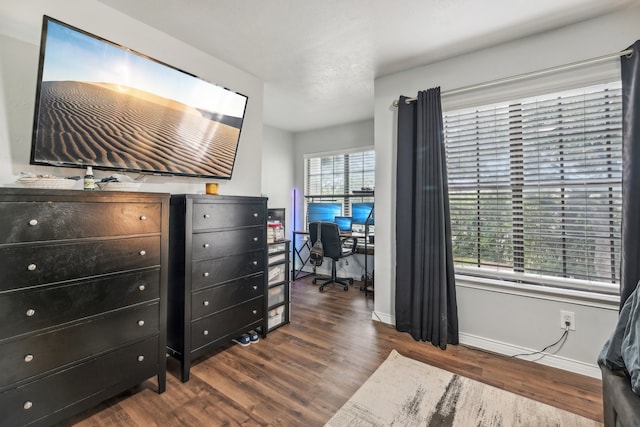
<point>630,256</point>
<point>425,282</point>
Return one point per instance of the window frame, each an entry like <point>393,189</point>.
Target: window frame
<point>584,289</point>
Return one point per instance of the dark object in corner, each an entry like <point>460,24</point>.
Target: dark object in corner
<point>621,404</point>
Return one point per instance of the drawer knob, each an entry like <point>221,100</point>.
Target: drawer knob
<point>255,287</point>
<point>205,332</point>
<point>28,404</point>
<point>32,267</point>
<point>206,303</point>
<point>140,358</point>
<point>33,222</point>
<point>143,252</point>
<point>255,239</point>
<point>143,218</point>
<point>205,274</point>
<point>141,288</point>
<point>255,214</point>
<point>31,312</point>
<point>140,322</point>
<point>206,216</point>
<point>28,358</point>
<point>206,245</point>
<point>254,311</point>
<point>254,262</point>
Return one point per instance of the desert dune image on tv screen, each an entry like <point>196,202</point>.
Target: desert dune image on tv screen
<point>106,106</point>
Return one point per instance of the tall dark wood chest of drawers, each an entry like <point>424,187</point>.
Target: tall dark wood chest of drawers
<point>83,282</point>
<point>217,281</point>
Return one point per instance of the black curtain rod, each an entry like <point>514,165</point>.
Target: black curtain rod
<point>627,52</point>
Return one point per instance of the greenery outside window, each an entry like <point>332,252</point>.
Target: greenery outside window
<point>535,188</point>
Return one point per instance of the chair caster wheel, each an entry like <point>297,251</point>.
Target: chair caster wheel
<point>314,281</point>
<point>350,282</point>
<point>346,288</point>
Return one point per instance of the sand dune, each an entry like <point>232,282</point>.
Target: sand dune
<point>99,125</point>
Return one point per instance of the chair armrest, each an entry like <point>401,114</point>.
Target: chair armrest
<point>354,244</point>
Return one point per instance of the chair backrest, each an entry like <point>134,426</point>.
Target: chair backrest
<point>330,237</point>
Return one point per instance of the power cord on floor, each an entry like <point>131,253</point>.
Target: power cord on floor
<point>561,341</point>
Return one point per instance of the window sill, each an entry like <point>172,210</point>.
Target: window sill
<point>593,299</point>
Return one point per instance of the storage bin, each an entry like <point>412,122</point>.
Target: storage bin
<point>276,295</point>
<point>276,274</point>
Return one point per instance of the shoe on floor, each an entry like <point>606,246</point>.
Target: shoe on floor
<point>244,340</point>
<point>253,336</point>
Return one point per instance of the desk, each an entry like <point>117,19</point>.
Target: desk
<point>301,246</point>
<point>298,254</point>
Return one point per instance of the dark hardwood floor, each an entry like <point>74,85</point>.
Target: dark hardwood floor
<point>302,373</point>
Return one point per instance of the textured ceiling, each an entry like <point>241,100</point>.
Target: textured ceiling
<point>318,59</point>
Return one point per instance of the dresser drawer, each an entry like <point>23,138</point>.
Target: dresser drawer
<point>211,216</point>
<point>35,221</point>
<point>225,243</point>
<point>217,270</point>
<point>219,297</point>
<point>36,400</point>
<point>29,310</point>
<point>23,265</point>
<point>218,325</point>
<point>36,354</point>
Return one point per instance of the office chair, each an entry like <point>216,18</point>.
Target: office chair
<point>333,246</point>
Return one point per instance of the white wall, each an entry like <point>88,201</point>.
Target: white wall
<point>20,26</point>
<point>492,318</point>
<point>278,160</point>
<point>341,137</point>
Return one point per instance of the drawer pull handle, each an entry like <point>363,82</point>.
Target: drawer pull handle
<point>143,252</point>
<point>254,262</point>
<point>33,222</point>
<point>143,218</point>
<point>254,311</point>
<point>205,274</point>
<point>31,312</point>
<point>255,239</point>
<point>206,245</point>
<point>28,404</point>
<point>32,267</point>
<point>140,358</point>
<point>140,322</point>
<point>28,358</point>
<point>207,216</point>
<point>206,303</point>
<point>141,288</point>
<point>255,287</point>
<point>255,214</point>
<point>205,332</point>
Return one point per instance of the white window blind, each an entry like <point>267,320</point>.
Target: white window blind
<point>535,187</point>
<point>333,176</point>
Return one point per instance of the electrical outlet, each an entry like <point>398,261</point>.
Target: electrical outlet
<point>568,317</point>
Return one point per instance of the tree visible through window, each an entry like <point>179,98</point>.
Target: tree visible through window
<point>535,186</point>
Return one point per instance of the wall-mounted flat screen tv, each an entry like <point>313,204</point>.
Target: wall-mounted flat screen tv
<point>107,106</point>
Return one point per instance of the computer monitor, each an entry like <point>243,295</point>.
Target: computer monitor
<point>362,213</point>
<point>327,212</point>
<point>344,223</point>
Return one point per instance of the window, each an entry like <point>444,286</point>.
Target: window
<point>334,178</point>
<point>535,188</point>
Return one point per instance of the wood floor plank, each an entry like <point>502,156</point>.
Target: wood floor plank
<point>302,373</point>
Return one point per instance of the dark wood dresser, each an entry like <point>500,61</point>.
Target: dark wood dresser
<point>83,282</point>
<point>217,281</point>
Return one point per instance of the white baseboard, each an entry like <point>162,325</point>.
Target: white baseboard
<point>383,317</point>
<point>575,366</point>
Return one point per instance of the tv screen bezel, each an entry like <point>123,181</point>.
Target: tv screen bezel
<point>98,166</point>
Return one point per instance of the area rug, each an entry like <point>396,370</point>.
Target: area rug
<point>405,392</point>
